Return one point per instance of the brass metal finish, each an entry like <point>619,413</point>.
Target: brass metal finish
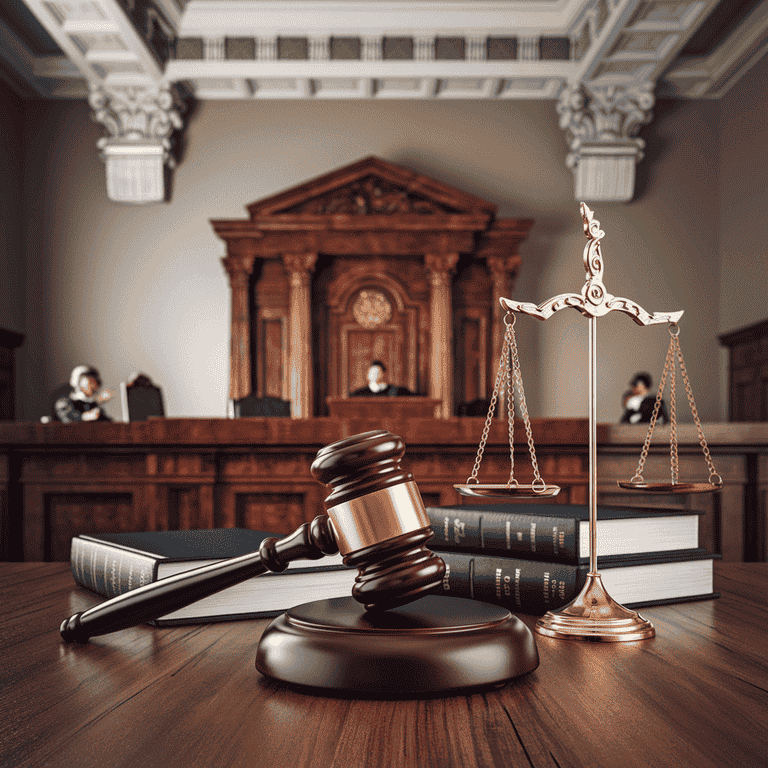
<point>502,491</point>
<point>378,516</point>
<point>507,377</point>
<point>671,487</point>
<point>637,483</point>
<point>595,615</point>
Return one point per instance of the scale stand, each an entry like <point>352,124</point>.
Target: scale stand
<point>593,614</point>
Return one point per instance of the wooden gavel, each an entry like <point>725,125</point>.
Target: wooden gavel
<point>376,519</point>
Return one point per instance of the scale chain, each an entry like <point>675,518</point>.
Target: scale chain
<point>507,376</point>
<point>537,479</point>
<point>694,411</point>
<point>673,352</point>
<point>491,409</point>
<point>638,477</point>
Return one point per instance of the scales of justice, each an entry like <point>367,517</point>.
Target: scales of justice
<point>593,614</point>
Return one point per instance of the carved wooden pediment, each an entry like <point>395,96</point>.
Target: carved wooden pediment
<point>371,187</point>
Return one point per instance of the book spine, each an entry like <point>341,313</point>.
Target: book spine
<point>536,537</point>
<point>525,586</point>
<point>107,570</point>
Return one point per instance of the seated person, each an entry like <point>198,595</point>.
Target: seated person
<point>378,385</point>
<point>82,403</point>
<point>639,402</point>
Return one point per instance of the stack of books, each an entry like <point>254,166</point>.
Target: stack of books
<point>110,564</point>
<point>533,558</point>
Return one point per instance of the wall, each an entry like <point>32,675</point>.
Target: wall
<point>142,288</point>
<point>743,210</point>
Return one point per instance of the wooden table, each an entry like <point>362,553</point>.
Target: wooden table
<point>695,695</point>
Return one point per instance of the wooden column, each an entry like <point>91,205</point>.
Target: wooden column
<point>300,267</point>
<point>239,269</point>
<point>440,267</point>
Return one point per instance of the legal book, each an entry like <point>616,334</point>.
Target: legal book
<point>113,563</point>
<point>535,587</point>
<point>560,532</point>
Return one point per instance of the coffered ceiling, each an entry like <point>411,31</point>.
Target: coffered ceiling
<point>379,49</point>
<point>602,62</point>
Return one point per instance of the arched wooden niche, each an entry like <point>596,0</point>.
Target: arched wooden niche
<point>370,261</point>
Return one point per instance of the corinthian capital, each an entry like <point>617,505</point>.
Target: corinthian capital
<point>601,126</point>
<point>140,123</point>
<point>440,266</point>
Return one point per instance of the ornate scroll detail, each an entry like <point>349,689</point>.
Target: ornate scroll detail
<point>140,123</point>
<point>601,126</point>
<point>594,300</point>
<point>370,196</point>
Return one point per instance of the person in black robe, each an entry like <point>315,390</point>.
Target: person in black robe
<point>378,384</point>
<point>639,402</point>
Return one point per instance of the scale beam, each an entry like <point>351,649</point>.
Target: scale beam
<point>594,300</point>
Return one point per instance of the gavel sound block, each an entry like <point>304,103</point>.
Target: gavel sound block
<point>379,641</point>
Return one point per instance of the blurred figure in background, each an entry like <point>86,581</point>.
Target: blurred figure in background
<point>84,401</point>
<point>639,401</point>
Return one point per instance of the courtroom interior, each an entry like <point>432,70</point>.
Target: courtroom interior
<point>308,200</point>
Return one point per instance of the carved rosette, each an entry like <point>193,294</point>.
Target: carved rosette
<point>601,126</point>
<point>140,123</point>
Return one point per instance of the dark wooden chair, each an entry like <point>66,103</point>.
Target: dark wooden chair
<point>268,406</point>
<point>141,399</point>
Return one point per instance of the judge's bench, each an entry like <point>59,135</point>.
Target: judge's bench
<point>372,261</point>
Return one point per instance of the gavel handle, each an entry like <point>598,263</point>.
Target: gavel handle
<point>310,541</point>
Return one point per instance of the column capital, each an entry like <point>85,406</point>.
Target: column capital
<point>299,266</point>
<point>140,123</point>
<point>440,267</point>
<point>239,269</point>
<point>601,125</point>
<point>501,266</point>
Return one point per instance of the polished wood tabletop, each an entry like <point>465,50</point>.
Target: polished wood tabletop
<point>695,695</point>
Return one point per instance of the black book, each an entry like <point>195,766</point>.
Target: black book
<point>534,587</point>
<point>112,563</point>
<point>560,532</point>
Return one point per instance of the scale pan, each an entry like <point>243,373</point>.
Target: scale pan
<point>508,491</point>
<point>671,487</point>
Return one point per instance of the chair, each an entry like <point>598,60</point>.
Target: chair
<point>268,406</point>
<point>141,399</point>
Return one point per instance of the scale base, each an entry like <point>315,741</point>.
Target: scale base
<point>594,615</point>
<point>434,645</point>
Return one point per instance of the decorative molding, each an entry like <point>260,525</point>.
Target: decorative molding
<point>140,123</point>
<point>601,126</point>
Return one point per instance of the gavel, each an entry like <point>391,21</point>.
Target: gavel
<point>375,519</point>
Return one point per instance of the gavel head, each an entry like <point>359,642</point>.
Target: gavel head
<point>378,519</point>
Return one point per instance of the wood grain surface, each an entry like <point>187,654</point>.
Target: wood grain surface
<point>695,695</point>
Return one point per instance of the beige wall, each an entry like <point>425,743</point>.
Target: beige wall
<point>142,288</point>
<point>743,244</point>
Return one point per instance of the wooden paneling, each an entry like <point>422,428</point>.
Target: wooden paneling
<point>748,369</point>
<point>204,473</point>
<point>62,479</point>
